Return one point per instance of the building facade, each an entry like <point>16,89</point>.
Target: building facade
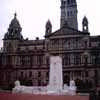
<point>28,60</point>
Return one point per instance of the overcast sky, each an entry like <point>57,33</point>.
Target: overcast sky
<point>33,14</point>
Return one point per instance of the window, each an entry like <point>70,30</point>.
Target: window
<point>93,59</point>
<point>77,59</point>
<point>71,13</point>
<point>66,60</point>
<point>72,1</point>
<point>22,74</point>
<point>38,59</point>
<point>68,1</point>
<point>25,60</point>
<point>47,74</point>
<point>30,74</point>
<point>17,60</point>
<point>63,2</point>
<point>41,60</point>
<point>68,13</point>
<point>39,74</point>
<point>85,44</point>
<point>47,60</point>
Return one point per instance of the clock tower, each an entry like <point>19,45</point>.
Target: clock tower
<point>69,13</point>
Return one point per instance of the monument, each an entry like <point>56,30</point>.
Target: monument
<point>55,85</point>
<point>55,75</point>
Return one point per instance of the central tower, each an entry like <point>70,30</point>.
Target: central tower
<point>69,13</point>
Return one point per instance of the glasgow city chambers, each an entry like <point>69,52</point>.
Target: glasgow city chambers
<point>28,60</point>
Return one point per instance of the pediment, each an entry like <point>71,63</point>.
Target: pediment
<point>66,31</point>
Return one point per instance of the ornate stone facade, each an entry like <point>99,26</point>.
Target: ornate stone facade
<point>28,60</point>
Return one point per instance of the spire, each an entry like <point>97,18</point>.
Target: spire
<point>48,27</point>
<point>85,24</point>
<point>15,15</point>
<point>85,20</point>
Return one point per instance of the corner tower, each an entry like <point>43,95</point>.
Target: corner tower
<point>14,30</point>
<point>85,24</point>
<point>13,35</point>
<point>69,13</point>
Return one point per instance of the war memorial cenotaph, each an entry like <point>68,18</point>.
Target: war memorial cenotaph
<point>55,85</point>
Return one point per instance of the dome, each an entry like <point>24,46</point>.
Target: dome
<point>14,25</point>
<point>15,22</point>
<point>14,30</point>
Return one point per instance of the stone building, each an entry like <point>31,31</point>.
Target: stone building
<point>28,60</point>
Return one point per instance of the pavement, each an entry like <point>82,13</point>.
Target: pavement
<point>10,96</point>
